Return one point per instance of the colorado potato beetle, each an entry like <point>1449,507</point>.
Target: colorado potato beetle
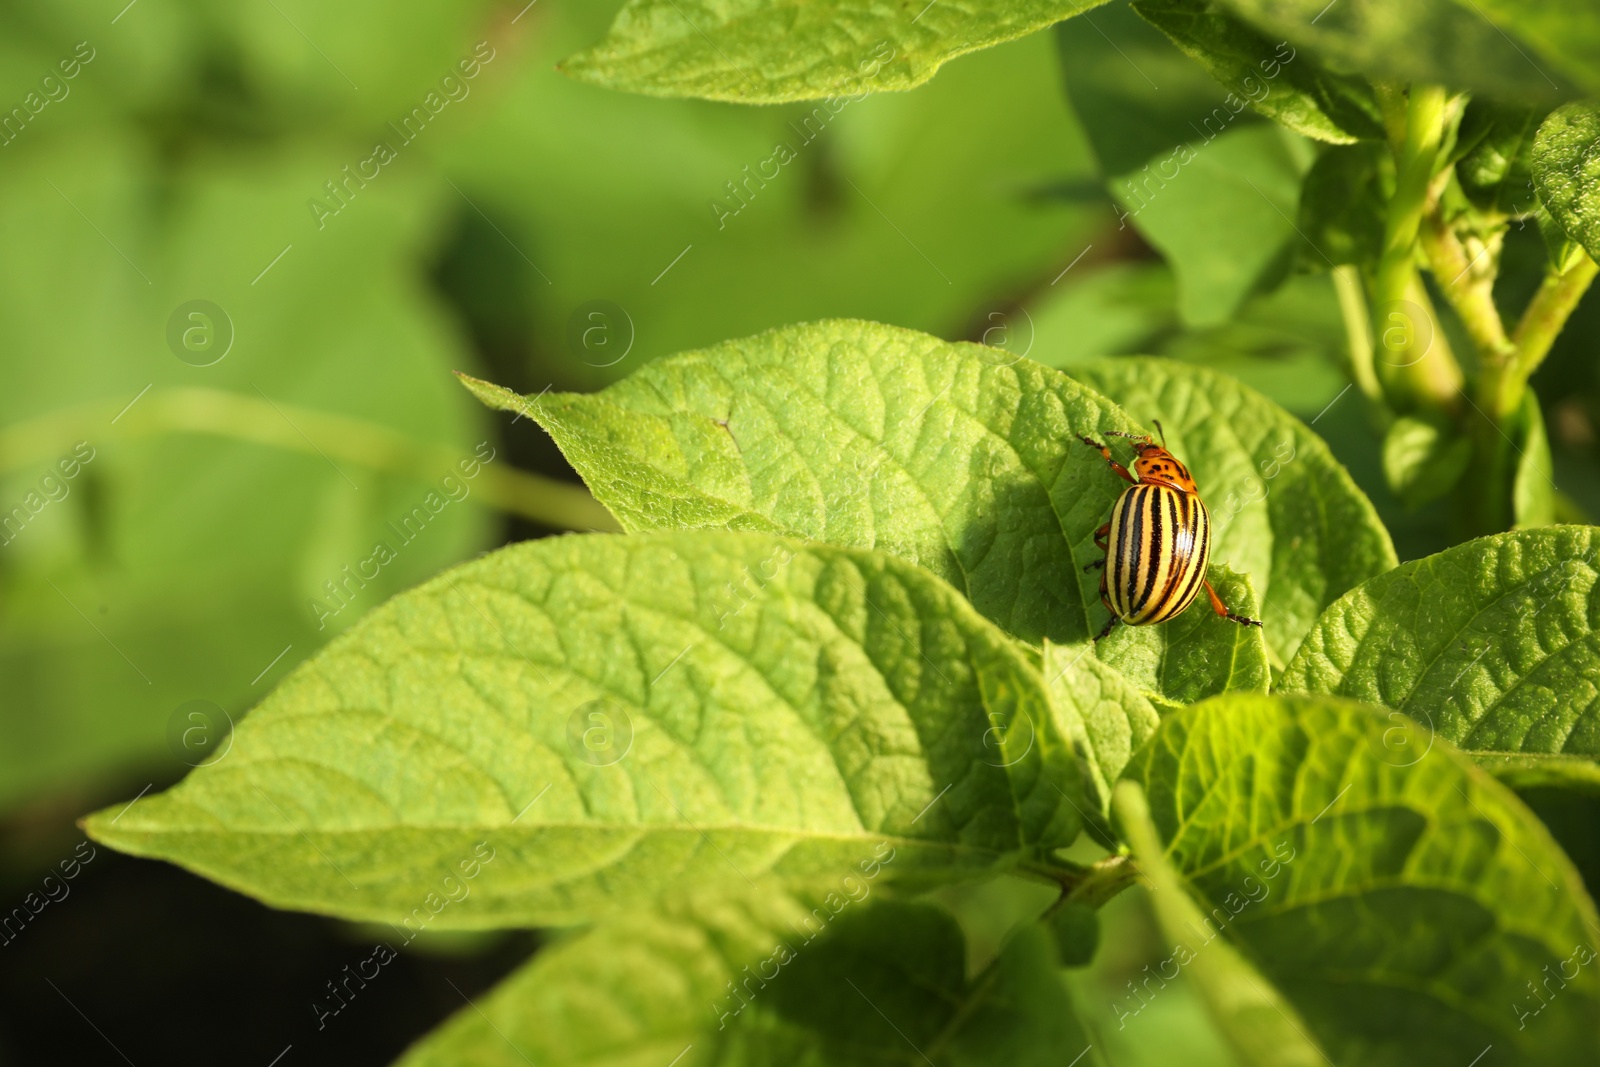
<point>1158,542</point>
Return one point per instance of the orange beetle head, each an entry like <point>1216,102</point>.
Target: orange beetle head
<point>1156,466</point>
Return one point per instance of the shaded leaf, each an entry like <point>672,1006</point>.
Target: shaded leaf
<point>1423,461</point>
<point>1490,643</point>
<point>609,715</point>
<point>1136,95</point>
<point>1076,929</point>
<point>1254,1018</point>
<point>1496,167</point>
<point>1283,509</point>
<point>1103,714</point>
<point>1421,41</point>
<point>1533,489</point>
<point>769,51</point>
<point>961,458</point>
<point>1343,204</point>
<point>1400,898</point>
<point>1221,211</point>
<point>1538,771</point>
<point>1567,35</point>
<point>1164,660</point>
<point>769,982</point>
<point>1309,99</point>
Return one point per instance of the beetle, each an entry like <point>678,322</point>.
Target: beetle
<point>1158,542</point>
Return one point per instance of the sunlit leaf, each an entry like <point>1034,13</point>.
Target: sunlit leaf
<point>1490,643</point>
<point>596,717</point>
<point>1566,171</point>
<point>769,51</point>
<point>962,458</point>
<point>1284,510</point>
<point>1405,903</point>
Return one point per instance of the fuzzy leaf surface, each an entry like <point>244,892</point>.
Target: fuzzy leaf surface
<point>1492,643</point>
<point>1399,897</point>
<point>596,717</point>
<point>1566,171</point>
<point>962,458</point>
<point>1283,509</point>
<point>771,51</point>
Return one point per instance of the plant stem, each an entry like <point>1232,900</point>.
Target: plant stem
<point>1357,330</point>
<point>1541,323</point>
<point>334,437</point>
<point>1092,885</point>
<point>1468,283</point>
<point>1430,377</point>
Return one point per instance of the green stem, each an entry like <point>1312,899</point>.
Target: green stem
<point>1468,283</point>
<point>333,437</point>
<point>1430,377</point>
<point>1092,885</point>
<point>1357,329</point>
<point>1541,323</point>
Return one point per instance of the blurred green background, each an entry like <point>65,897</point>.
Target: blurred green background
<point>248,451</point>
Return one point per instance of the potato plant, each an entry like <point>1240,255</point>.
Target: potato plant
<point>840,660</point>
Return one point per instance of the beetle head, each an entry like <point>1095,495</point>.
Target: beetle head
<point>1155,465</point>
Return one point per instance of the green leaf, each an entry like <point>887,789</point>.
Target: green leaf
<point>1533,491</point>
<point>609,715</point>
<point>1496,168</point>
<point>1422,460</point>
<point>1568,35</point>
<point>1283,509</point>
<point>1404,904</point>
<point>1122,307</point>
<point>1492,643</point>
<point>1221,211</point>
<point>1343,204</point>
<point>850,982</point>
<point>1136,96</point>
<point>1420,41</point>
<point>1562,252</point>
<point>961,458</point>
<point>1103,714</point>
<point>1566,171</point>
<point>1197,654</point>
<point>206,531</point>
<point>770,51</point>
<point>554,163</point>
<point>1252,1016</point>
<point>1538,771</point>
<point>1076,929</point>
<point>1309,100</point>
<point>1195,170</point>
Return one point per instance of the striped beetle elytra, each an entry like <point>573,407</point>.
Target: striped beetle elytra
<point>1158,542</point>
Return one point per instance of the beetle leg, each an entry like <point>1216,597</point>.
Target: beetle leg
<point>1122,471</point>
<point>1222,609</point>
<point>1107,627</point>
<point>1105,599</point>
<point>1102,539</point>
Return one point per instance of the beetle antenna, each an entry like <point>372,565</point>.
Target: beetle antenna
<point>1157,424</point>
